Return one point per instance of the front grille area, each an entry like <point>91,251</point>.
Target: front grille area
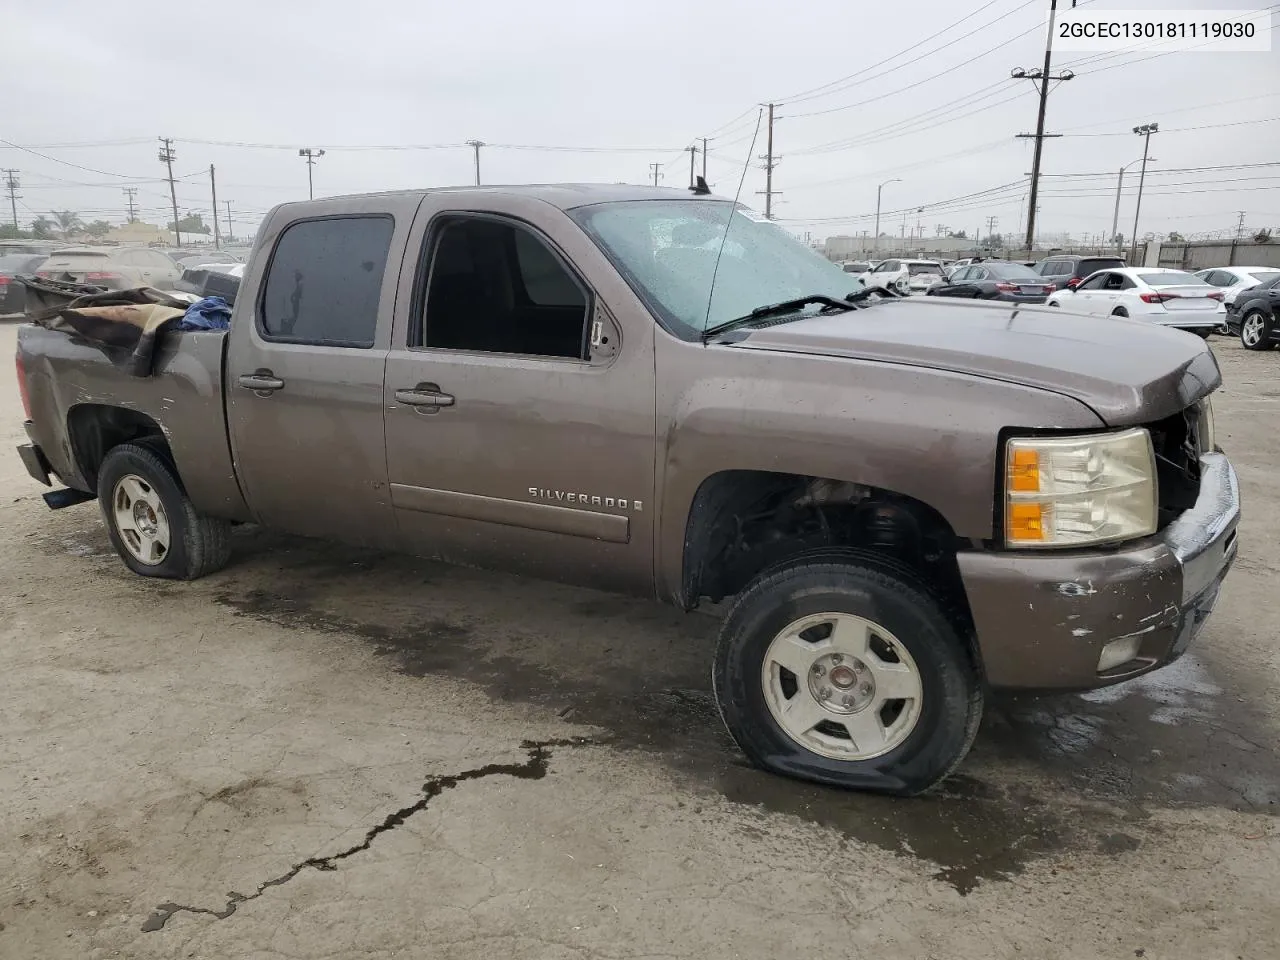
<point>1177,446</point>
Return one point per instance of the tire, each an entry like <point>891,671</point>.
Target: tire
<point>943,719</point>
<point>164,536</point>
<point>1255,320</point>
<point>1120,312</point>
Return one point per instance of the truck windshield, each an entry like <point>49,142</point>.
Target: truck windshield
<point>666,249</point>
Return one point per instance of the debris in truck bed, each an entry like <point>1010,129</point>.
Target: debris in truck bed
<point>123,323</point>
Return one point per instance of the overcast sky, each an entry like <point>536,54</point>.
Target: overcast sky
<point>653,75</point>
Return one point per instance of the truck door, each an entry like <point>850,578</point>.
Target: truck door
<point>305,364</point>
<point>519,402</point>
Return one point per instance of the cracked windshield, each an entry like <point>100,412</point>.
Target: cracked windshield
<point>591,481</point>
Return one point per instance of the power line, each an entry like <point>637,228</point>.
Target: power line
<point>838,86</point>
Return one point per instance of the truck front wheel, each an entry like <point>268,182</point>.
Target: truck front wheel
<point>151,521</point>
<point>848,674</point>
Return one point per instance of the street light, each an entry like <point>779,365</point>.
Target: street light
<point>1115,217</point>
<point>1145,131</point>
<point>876,248</point>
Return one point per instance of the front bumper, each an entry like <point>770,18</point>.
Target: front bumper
<point>1042,619</point>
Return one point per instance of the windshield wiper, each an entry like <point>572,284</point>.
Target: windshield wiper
<point>778,310</point>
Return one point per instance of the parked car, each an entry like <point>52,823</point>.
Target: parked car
<point>1231,280</point>
<point>116,268</point>
<point>1068,271</point>
<point>1171,298</point>
<point>211,256</point>
<point>42,247</point>
<point>907,505</point>
<point>212,280</point>
<point>905,276</point>
<point>1255,315</point>
<point>856,267</point>
<point>13,296</point>
<point>995,280</point>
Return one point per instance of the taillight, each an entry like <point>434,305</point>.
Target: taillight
<point>1007,287</point>
<point>1157,297</point>
<point>1215,295</point>
<point>1050,287</point>
<point>22,387</point>
<point>4,281</point>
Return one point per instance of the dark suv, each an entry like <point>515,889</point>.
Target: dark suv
<point>1067,272</point>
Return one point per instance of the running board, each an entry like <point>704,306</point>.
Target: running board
<point>57,499</point>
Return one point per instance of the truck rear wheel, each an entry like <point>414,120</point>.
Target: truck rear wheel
<point>151,521</point>
<point>848,674</point>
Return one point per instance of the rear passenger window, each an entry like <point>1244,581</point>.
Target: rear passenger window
<point>325,280</point>
<point>496,287</point>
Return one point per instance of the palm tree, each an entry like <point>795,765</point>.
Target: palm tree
<point>68,222</point>
<point>42,228</point>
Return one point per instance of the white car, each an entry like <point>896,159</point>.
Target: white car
<point>1171,298</point>
<point>116,268</point>
<point>905,276</point>
<point>1231,280</point>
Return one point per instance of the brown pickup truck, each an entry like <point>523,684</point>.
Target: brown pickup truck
<point>909,501</point>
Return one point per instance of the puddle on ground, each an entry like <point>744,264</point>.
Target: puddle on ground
<point>1048,774</point>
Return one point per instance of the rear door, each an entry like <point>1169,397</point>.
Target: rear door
<point>305,366</point>
<point>516,437</point>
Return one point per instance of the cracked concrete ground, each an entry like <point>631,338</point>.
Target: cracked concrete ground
<point>325,752</point>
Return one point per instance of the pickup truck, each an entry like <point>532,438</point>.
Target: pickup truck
<point>905,502</point>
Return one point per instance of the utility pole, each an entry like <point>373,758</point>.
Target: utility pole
<point>1145,131</point>
<point>1239,225</point>
<point>167,156</point>
<point>1041,80</point>
<point>213,185</point>
<point>991,226</point>
<point>476,145</point>
<point>11,184</point>
<point>312,154</point>
<point>770,161</point>
<point>693,155</point>
<point>657,172</point>
<point>230,232</point>
<point>130,193</point>
<point>878,189</point>
<point>704,158</point>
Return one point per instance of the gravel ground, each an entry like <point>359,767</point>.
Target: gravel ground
<point>325,752</point>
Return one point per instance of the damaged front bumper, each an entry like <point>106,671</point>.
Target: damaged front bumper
<point>1061,620</point>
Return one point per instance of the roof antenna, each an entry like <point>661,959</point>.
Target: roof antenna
<point>729,221</point>
<point>700,188</point>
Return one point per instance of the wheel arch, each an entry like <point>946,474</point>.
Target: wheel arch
<point>744,522</point>
<point>94,429</point>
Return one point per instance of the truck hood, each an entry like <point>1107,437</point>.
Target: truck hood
<point>1126,371</point>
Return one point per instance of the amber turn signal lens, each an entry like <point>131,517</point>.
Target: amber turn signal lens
<point>1024,471</point>
<point>1026,521</point>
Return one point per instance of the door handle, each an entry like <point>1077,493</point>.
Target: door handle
<point>260,382</point>
<point>424,395</point>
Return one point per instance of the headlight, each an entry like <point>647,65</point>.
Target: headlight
<point>1076,491</point>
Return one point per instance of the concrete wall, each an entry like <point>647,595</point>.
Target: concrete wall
<point>1215,253</point>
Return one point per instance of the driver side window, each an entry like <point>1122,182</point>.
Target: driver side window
<point>1093,283</point>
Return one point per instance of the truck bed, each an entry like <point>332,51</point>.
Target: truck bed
<point>67,378</point>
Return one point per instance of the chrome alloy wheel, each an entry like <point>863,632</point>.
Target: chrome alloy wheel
<point>842,686</point>
<point>140,519</point>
